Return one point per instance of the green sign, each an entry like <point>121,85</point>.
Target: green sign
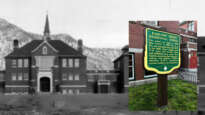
<point>162,51</point>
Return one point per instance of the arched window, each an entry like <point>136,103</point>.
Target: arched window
<point>44,50</point>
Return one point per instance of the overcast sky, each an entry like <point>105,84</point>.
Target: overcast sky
<point>100,23</point>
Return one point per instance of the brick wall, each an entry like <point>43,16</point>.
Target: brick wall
<point>171,26</point>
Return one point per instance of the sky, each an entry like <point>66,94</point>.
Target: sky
<point>99,23</point>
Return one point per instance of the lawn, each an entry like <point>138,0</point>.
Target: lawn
<point>182,96</point>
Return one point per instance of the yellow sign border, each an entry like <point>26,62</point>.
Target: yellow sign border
<point>154,69</point>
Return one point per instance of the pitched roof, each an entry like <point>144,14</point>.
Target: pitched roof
<point>63,48</point>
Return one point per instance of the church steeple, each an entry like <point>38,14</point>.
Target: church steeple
<point>46,29</point>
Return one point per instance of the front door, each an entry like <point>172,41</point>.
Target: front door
<point>45,84</point>
<point>103,88</point>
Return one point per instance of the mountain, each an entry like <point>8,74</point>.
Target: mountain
<point>97,58</point>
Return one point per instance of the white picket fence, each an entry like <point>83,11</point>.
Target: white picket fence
<point>190,76</point>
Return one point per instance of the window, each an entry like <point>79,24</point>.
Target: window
<point>70,91</point>
<point>77,91</point>
<point>76,63</point>
<point>191,26</point>
<point>76,76</point>
<point>70,61</point>
<point>192,40</point>
<point>20,76</point>
<point>44,50</point>
<point>45,62</point>
<point>64,76</point>
<point>64,91</point>
<point>70,77</point>
<point>13,63</point>
<point>64,62</point>
<point>25,63</point>
<point>131,66</point>
<point>20,63</point>
<point>25,76</point>
<point>13,75</point>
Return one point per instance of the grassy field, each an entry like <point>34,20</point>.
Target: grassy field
<point>182,96</point>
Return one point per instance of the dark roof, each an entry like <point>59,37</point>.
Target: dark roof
<point>201,44</point>
<point>118,58</point>
<point>63,49</point>
<point>124,50</point>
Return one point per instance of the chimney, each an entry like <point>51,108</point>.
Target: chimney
<point>80,46</point>
<point>16,44</point>
<point>125,49</point>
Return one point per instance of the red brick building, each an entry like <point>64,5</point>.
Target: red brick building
<point>188,32</point>
<point>137,46</point>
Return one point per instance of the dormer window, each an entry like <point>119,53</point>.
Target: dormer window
<point>45,50</point>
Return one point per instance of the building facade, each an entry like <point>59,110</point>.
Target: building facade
<point>137,46</point>
<point>121,65</point>
<point>188,32</point>
<point>52,66</point>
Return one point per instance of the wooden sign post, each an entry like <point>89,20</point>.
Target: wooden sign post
<point>162,88</point>
<point>162,55</point>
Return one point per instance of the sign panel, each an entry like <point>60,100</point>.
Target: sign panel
<point>162,51</point>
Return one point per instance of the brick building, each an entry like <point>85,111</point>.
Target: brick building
<point>188,32</point>
<point>137,46</point>
<point>121,64</point>
<point>52,66</point>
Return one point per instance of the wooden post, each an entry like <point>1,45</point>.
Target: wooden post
<point>162,90</point>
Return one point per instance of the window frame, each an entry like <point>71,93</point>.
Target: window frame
<point>64,76</point>
<point>70,91</point>
<point>70,62</point>
<point>44,50</point>
<point>20,76</point>
<point>64,62</point>
<point>25,63</point>
<point>13,76</point>
<point>14,63</point>
<point>20,63</point>
<point>132,67</point>
<point>64,91</point>
<point>77,76</point>
<point>70,75</point>
<point>77,65</point>
<point>27,76</point>
<point>77,91</point>
<point>191,26</point>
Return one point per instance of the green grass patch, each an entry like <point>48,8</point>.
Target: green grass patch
<point>182,96</point>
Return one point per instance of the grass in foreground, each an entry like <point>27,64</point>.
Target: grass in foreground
<point>182,96</point>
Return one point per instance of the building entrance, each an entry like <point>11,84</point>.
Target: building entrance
<point>45,84</point>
